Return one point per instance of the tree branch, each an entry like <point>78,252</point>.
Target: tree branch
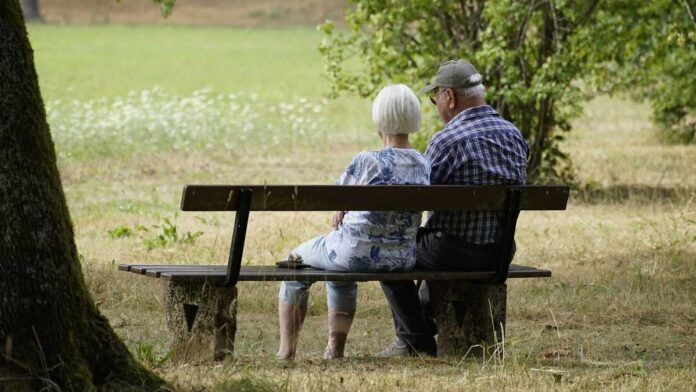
<point>589,12</point>
<point>690,10</point>
<point>525,23</point>
<point>555,24</point>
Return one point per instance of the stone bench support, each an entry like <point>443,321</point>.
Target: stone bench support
<point>470,317</point>
<point>202,319</point>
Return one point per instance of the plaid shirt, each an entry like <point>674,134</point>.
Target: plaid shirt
<point>477,147</point>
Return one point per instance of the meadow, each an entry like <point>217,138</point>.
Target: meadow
<point>136,112</point>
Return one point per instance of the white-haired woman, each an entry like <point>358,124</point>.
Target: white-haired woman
<point>362,241</point>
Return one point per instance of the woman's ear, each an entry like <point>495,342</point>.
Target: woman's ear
<point>381,135</point>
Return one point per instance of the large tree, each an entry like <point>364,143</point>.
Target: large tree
<point>52,337</point>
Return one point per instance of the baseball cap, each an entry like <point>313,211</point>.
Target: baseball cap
<point>454,73</point>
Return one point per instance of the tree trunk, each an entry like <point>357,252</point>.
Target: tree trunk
<point>31,10</point>
<point>52,337</point>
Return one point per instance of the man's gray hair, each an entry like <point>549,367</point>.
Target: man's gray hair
<point>477,91</point>
<point>396,110</point>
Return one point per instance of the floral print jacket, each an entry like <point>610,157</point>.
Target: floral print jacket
<point>379,240</point>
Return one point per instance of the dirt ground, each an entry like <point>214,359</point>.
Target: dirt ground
<point>243,13</point>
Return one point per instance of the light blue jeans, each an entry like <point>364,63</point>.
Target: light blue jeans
<point>340,296</point>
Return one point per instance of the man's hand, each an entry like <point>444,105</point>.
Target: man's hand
<point>338,219</point>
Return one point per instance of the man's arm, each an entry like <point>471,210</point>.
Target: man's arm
<point>442,161</point>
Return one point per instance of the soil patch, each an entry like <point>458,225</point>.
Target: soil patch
<point>242,13</point>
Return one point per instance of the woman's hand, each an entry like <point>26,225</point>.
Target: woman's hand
<point>338,219</point>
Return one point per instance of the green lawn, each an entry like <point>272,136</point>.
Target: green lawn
<point>92,62</point>
<point>136,112</point>
<point>112,91</point>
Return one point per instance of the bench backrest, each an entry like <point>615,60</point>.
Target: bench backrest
<point>371,198</point>
<point>510,200</point>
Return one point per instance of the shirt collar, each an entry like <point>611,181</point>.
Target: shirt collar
<point>477,111</point>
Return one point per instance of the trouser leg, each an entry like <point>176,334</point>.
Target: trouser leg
<point>341,298</point>
<point>410,321</point>
<point>292,308</point>
<point>427,257</point>
<point>411,303</point>
<point>424,296</point>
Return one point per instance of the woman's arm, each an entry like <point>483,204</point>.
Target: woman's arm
<point>350,176</point>
<point>338,219</point>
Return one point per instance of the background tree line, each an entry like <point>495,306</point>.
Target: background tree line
<point>541,59</point>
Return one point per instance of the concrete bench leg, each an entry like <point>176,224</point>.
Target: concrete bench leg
<point>202,320</point>
<point>470,317</point>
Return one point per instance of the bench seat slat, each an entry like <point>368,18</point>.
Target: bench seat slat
<point>216,273</point>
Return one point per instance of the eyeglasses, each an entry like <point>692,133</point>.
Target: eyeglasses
<point>433,97</point>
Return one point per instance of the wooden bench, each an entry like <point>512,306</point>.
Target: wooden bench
<point>469,307</point>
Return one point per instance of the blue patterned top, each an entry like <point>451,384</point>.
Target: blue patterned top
<point>379,240</point>
<point>477,147</point>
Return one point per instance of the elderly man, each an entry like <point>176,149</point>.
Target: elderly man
<point>475,147</point>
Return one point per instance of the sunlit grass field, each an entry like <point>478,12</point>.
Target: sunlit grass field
<point>136,112</point>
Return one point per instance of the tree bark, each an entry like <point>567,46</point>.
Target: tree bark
<point>31,10</point>
<point>52,337</point>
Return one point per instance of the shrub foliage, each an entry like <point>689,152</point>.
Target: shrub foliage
<point>540,58</point>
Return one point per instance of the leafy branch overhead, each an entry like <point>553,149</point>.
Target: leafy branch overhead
<point>540,58</point>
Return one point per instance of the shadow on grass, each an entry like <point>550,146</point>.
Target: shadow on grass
<point>250,384</point>
<point>643,194</point>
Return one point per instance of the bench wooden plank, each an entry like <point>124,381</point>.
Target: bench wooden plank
<point>215,274</point>
<point>124,267</point>
<point>156,272</point>
<point>371,198</point>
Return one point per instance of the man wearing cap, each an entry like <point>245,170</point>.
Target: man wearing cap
<point>475,147</point>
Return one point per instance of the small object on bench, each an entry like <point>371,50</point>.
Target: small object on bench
<point>469,307</point>
<point>294,262</point>
<point>291,264</point>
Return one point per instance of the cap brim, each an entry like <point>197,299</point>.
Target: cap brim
<point>428,88</point>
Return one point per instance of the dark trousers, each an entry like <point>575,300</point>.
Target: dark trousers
<point>410,305</point>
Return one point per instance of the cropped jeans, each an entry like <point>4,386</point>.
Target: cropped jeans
<point>340,296</point>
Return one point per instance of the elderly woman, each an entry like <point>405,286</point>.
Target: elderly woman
<point>362,241</point>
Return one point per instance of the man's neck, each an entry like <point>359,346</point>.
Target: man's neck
<point>467,103</point>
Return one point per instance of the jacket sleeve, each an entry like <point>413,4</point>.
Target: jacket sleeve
<point>354,173</point>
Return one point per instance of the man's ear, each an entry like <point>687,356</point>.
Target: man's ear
<point>452,99</point>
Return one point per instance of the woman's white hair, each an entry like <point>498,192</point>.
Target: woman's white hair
<point>396,110</point>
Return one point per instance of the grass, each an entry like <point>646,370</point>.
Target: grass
<point>136,112</point>
<point>92,62</point>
